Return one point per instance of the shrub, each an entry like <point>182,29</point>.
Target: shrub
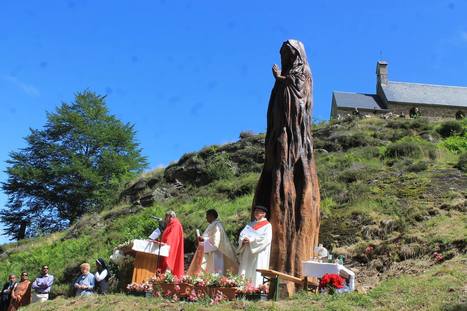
<point>398,124</point>
<point>354,173</point>
<point>456,144</point>
<point>246,134</point>
<point>410,147</point>
<point>220,167</point>
<point>420,124</point>
<point>450,128</point>
<point>399,134</point>
<point>462,163</point>
<point>417,166</point>
<point>403,148</point>
<point>237,187</point>
<point>348,141</point>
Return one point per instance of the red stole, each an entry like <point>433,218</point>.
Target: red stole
<point>260,224</point>
<point>173,236</point>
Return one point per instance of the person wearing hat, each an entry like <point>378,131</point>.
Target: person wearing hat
<point>255,246</point>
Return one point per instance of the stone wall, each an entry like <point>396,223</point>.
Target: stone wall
<point>345,111</point>
<point>429,111</point>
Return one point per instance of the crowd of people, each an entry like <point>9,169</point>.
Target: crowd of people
<point>215,253</point>
<point>17,294</point>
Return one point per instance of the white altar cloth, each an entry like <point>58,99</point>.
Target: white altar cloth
<point>318,269</point>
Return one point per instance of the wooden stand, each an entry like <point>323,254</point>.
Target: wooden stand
<point>147,256</point>
<point>144,267</point>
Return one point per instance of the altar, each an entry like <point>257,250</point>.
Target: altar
<point>311,268</point>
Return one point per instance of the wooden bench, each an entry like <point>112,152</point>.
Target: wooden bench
<point>274,277</point>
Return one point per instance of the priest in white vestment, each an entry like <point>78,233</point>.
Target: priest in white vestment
<point>215,253</point>
<point>255,246</point>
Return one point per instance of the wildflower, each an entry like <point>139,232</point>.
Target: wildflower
<point>368,250</point>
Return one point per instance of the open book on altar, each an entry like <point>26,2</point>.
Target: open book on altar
<point>150,247</point>
<point>249,233</point>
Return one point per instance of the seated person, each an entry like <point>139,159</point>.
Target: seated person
<point>85,283</point>
<point>102,276</point>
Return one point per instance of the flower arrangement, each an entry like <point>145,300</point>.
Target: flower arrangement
<point>330,282</point>
<point>139,287</point>
<point>167,278</point>
<point>205,286</point>
<point>194,280</point>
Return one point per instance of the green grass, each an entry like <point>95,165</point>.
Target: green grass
<point>437,288</point>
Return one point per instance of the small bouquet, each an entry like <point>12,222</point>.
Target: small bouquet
<point>330,282</point>
<point>251,292</point>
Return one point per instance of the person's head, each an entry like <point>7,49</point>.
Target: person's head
<point>12,278</point>
<point>211,215</point>
<point>169,216</point>
<point>24,276</point>
<point>85,268</point>
<point>260,212</point>
<point>45,269</point>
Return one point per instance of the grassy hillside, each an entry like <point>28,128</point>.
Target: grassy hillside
<point>393,193</point>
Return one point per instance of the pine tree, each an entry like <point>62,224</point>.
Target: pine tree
<point>74,165</point>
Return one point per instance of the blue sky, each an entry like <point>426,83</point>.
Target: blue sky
<point>194,73</point>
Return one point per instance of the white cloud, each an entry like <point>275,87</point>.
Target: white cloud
<point>29,89</point>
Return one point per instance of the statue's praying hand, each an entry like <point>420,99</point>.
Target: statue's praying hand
<point>276,72</point>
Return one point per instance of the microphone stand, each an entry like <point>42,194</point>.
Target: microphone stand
<point>159,249</point>
<point>158,253</point>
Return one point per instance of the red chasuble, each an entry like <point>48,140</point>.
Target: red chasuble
<point>173,235</point>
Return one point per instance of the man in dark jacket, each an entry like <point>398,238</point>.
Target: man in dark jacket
<point>6,292</point>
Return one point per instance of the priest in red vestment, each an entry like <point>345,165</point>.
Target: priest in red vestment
<point>173,236</point>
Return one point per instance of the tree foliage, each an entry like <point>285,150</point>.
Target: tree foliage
<point>74,165</point>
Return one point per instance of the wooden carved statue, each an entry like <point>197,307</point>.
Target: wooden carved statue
<point>288,185</point>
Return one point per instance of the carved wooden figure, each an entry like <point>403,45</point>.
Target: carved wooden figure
<point>288,185</point>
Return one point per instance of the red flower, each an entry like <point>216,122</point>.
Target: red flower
<point>332,280</point>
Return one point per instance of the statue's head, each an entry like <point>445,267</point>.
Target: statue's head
<point>293,55</point>
<point>288,55</point>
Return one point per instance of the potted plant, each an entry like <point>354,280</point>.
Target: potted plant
<point>186,286</point>
<point>223,286</point>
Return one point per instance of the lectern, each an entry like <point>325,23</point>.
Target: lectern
<point>145,264</point>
